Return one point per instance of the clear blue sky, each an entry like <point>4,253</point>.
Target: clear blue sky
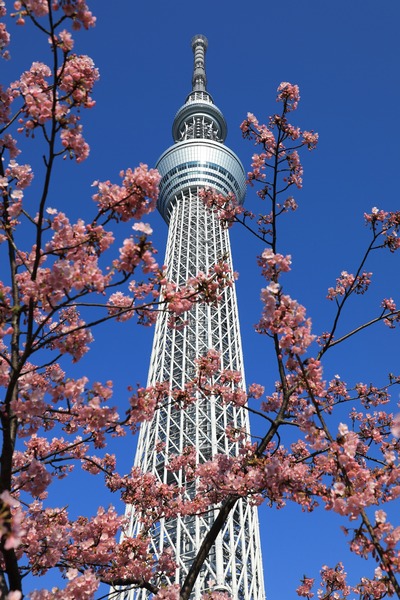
<point>344,55</point>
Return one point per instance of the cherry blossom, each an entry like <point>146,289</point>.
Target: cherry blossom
<point>76,10</point>
<point>4,35</point>
<point>304,590</point>
<point>385,224</point>
<point>348,283</point>
<point>289,94</point>
<point>396,426</point>
<point>134,198</point>
<point>225,207</point>
<point>310,139</point>
<point>168,593</point>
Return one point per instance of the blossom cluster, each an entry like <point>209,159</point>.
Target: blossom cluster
<point>226,207</point>
<point>289,94</point>
<point>334,585</point>
<point>385,224</point>
<point>4,35</point>
<point>347,283</point>
<point>42,102</point>
<point>277,166</point>
<point>76,10</point>
<point>49,95</point>
<point>273,264</point>
<point>90,542</point>
<point>286,318</point>
<point>10,520</point>
<point>205,288</point>
<point>134,198</point>
<point>68,266</point>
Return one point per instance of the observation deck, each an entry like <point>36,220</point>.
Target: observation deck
<point>198,163</point>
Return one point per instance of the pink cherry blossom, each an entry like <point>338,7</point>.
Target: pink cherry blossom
<point>135,197</point>
<point>272,264</point>
<point>66,43</point>
<point>225,207</point>
<point>289,94</point>
<point>304,590</point>
<point>143,227</point>
<point>10,520</point>
<point>396,426</point>
<point>348,283</point>
<point>73,141</point>
<point>77,78</point>
<point>310,139</point>
<point>256,390</point>
<point>168,593</point>
<point>4,35</point>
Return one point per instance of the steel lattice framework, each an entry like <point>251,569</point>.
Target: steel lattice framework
<point>197,240</point>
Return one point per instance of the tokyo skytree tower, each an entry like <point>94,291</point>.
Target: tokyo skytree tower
<point>197,240</point>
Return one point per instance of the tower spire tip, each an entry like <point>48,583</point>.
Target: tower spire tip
<point>199,46</point>
<point>199,38</point>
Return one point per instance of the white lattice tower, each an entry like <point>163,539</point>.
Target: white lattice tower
<point>196,242</point>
